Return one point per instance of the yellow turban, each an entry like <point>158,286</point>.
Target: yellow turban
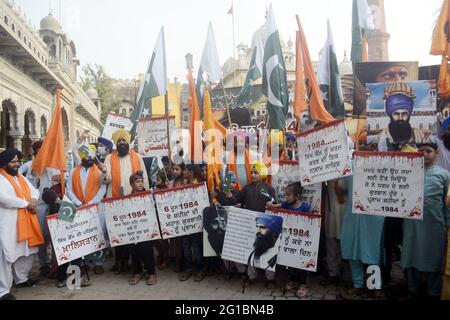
<point>121,133</point>
<point>87,151</point>
<point>408,148</point>
<point>261,168</point>
<point>276,135</point>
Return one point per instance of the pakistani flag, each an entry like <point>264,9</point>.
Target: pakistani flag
<point>210,71</point>
<point>330,80</point>
<point>363,24</point>
<point>256,65</point>
<point>274,77</point>
<point>98,256</point>
<point>155,82</point>
<point>67,210</point>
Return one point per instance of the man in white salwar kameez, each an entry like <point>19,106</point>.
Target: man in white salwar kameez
<point>16,257</point>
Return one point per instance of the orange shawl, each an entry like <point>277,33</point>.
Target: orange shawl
<point>92,185</point>
<point>115,170</point>
<point>28,227</point>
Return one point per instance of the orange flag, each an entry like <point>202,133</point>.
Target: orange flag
<point>194,118</point>
<point>316,106</point>
<point>214,148</point>
<point>440,46</point>
<point>51,154</point>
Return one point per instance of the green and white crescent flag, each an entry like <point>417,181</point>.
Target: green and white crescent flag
<point>67,210</point>
<point>210,71</point>
<point>256,66</point>
<point>155,82</point>
<point>275,86</point>
<point>98,256</point>
<point>363,22</point>
<point>329,78</point>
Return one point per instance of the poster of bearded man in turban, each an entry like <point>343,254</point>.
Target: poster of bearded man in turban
<point>401,114</point>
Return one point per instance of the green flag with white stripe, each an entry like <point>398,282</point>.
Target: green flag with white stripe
<point>275,86</point>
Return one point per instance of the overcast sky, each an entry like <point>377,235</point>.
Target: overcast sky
<point>121,34</point>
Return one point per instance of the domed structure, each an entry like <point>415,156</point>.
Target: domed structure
<point>92,94</point>
<point>345,67</point>
<point>50,23</point>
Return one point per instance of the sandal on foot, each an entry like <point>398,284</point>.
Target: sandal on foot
<point>134,280</point>
<point>152,280</point>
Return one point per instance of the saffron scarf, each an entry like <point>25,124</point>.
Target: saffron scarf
<point>92,185</point>
<point>28,227</point>
<point>115,170</point>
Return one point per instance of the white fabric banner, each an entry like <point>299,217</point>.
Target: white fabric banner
<point>324,153</point>
<point>152,136</point>
<point>180,210</point>
<point>299,244</point>
<point>289,172</point>
<point>115,122</point>
<point>79,238</point>
<point>131,219</point>
<point>240,239</point>
<point>389,184</point>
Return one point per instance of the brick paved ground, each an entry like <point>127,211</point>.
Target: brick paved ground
<point>217,287</point>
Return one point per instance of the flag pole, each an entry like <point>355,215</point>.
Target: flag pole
<point>166,100</point>
<point>234,45</point>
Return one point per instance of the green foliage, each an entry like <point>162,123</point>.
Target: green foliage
<point>96,77</point>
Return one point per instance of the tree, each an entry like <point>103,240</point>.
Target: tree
<point>96,77</point>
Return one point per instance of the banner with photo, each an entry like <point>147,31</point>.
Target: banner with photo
<point>115,122</point>
<point>214,227</point>
<point>324,153</point>
<point>389,184</point>
<point>245,243</point>
<point>131,219</point>
<point>180,210</point>
<point>249,116</point>
<point>401,114</point>
<point>379,72</point>
<point>299,243</point>
<point>76,239</point>
<point>289,172</point>
<point>152,136</point>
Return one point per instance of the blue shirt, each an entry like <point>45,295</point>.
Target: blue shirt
<point>304,207</point>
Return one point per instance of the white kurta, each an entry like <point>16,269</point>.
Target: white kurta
<point>84,173</point>
<point>125,173</point>
<point>9,203</point>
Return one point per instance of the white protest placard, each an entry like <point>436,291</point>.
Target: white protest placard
<point>324,153</point>
<point>241,240</point>
<point>152,136</point>
<point>79,238</point>
<point>115,122</point>
<point>180,210</point>
<point>131,219</point>
<point>389,184</point>
<point>289,172</point>
<point>299,244</point>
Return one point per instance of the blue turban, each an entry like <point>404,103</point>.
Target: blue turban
<point>274,223</point>
<point>290,137</point>
<point>107,143</point>
<point>7,156</point>
<point>446,123</point>
<point>232,176</point>
<point>397,102</point>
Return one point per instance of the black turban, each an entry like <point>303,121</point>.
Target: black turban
<point>7,155</point>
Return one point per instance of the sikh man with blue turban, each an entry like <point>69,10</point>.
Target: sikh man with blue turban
<point>400,135</point>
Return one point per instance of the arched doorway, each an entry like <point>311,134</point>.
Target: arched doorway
<point>8,123</point>
<point>30,133</point>
<point>43,126</point>
<point>65,121</point>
